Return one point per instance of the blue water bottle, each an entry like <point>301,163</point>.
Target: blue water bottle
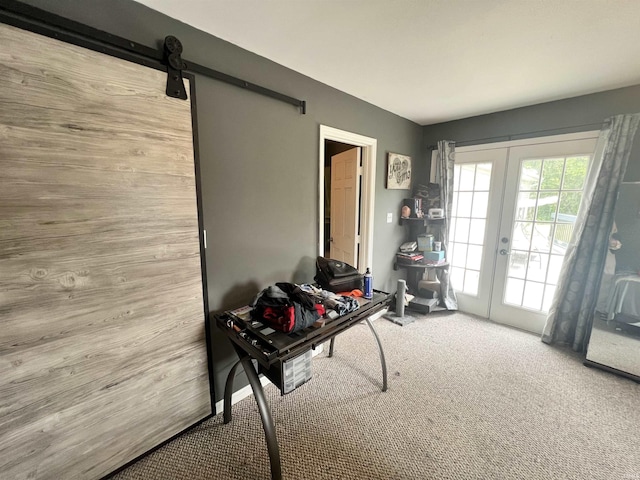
<point>368,284</point>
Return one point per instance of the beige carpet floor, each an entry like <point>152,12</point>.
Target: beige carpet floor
<point>467,399</point>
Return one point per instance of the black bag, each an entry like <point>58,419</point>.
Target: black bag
<point>337,276</point>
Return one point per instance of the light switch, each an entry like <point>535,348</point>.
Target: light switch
<point>389,217</point>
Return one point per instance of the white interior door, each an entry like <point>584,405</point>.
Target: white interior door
<point>513,213</point>
<point>345,211</point>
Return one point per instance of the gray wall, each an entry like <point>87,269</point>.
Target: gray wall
<point>563,116</point>
<point>576,114</point>
<point>259,160</point>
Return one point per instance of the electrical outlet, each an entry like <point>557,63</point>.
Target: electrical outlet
<point>389,217</point>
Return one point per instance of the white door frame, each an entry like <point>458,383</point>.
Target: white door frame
<point>369,148</point>
<point>514,143</point>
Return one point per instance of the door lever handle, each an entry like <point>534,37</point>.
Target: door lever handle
<point>504,252</point>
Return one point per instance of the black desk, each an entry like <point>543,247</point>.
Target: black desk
<point>276,351</point>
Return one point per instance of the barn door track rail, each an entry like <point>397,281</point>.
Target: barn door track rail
<point>169,59</point>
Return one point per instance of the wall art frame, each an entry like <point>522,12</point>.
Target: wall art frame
<point>398,171</point>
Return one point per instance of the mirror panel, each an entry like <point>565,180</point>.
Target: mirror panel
<point>615,335</point>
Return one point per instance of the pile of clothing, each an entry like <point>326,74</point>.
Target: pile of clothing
<point>285,307</point>
<point>288,307</point>
<point>342,304</point>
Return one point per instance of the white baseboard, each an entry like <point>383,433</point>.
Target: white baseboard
<point>246,391</point>
<point>241,394</point>
<point>377,315</point>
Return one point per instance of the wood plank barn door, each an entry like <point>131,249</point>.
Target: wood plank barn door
<point>102,324</point>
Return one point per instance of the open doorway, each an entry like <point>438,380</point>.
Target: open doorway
<point>346,196</point>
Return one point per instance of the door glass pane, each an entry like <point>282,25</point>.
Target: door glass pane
<point>555,264</point>
<point>551,188</point>
<point>477,231</point>
<point>471,281</point>
<point>462,230</point>
<point>483,177</point>
<point>538,263</point>
<point>547,205</point>
<point>456,176</point>
<point>467,175</point>
<point>533,293</point>
<point>471,194</point>
<point>526,206</point>
<point>521,238</point>
<point>465,201</point>
<point>530,174</point>
<point>549,291</point>
<point>518,264</point>
<point>561,237</point>
<point>474,257</point>
<point>460,258</point>
<point>480,205</point>
<point>457,278</point>
<point>542,236</point>
<point>575,172</point>
<point>569,204</point>
<point>513,292</point>
<point>552,170</point>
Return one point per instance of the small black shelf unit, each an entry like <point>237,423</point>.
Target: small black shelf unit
<point>420,226</point>
<point>419,266</point>
<point>424,221</point>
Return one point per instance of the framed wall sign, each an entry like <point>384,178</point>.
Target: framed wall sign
<point>398,171</point>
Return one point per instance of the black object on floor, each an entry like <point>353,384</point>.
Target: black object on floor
<point>423,305</point>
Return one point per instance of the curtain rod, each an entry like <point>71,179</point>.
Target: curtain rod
<point>40,21</point>
<point>519,136</point>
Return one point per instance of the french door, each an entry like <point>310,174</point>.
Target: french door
<point>513,213</point>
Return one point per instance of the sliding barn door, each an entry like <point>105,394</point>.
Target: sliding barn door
<point>102,338</point>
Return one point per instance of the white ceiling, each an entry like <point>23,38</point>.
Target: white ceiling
<point>436,60</point>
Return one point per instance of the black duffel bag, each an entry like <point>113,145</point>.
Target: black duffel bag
<point>337,276</point>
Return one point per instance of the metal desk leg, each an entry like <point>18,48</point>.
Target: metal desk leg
<point>228,390</point>
<point>267,421</point>
<point>333,340</point>
<point>263,408</point>
<point>382,360</point>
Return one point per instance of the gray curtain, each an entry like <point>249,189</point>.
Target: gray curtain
<point>571,314</point>
<point>444,174</point>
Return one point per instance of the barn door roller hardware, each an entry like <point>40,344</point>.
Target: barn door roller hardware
<point>45,23</point>
<point>175,65</point>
